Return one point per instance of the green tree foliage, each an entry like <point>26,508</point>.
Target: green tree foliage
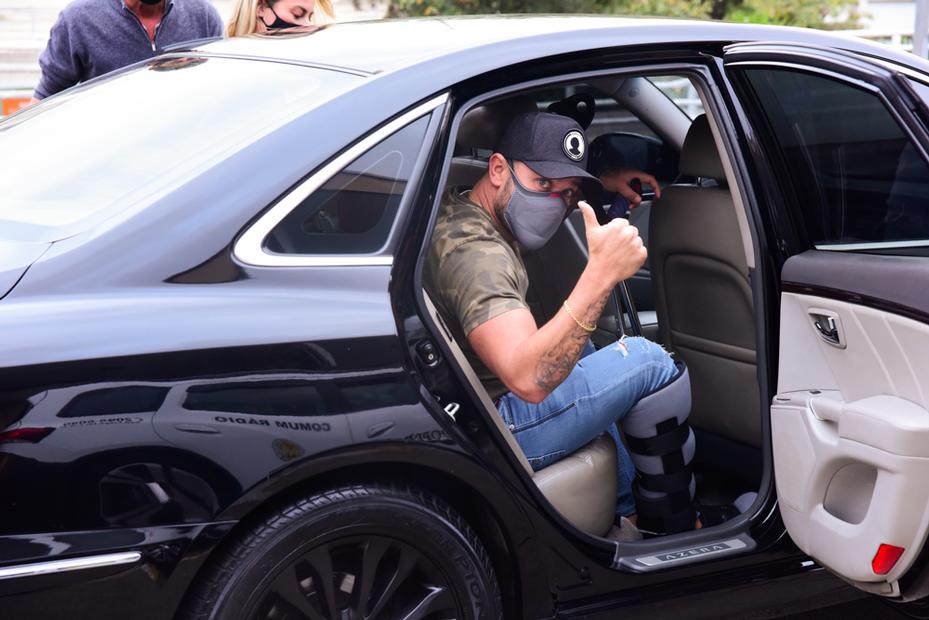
<point>807,13</point>
<point>831,14</point>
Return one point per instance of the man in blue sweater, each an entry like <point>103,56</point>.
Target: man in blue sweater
<point>93,37</point>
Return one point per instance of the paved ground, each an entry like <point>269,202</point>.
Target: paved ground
<point>865,608</point>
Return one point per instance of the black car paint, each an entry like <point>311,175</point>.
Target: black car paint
<point>207,318</point>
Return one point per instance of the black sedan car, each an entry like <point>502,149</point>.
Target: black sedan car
<point>224,392</point>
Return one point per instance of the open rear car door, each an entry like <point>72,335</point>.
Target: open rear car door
<point>845,137</point>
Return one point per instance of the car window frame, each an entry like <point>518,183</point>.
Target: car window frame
<point>250,249</point>
<point>857,71</point>
<point>710,85</point>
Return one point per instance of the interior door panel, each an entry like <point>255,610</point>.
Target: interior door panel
<point>850,422</point>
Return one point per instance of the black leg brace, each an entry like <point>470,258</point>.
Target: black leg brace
<point>661,445</point>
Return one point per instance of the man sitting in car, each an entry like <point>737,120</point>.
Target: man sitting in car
<point>553,390</point>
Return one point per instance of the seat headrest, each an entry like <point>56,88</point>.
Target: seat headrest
<point>483,126</point>
<point>582,107</point>
<point>699,156</point>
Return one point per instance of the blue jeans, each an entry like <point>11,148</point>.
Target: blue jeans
<point>601,389</point>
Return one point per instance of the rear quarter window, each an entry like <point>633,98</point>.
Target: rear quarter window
<point>354,211</point>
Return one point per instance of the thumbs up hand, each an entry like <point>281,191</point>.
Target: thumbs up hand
<point>615,250</point>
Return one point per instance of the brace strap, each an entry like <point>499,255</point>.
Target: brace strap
<point>668,514</point>
<point>665,442</point>
<point>666,483</point>
<point>665,504</point>
<point>672,524</point>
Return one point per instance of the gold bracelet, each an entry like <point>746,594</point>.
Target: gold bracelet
<point>586,328</point>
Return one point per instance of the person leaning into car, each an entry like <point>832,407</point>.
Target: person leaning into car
<point>554,392</point>
<point>260,16</point>
<point>94,37</point>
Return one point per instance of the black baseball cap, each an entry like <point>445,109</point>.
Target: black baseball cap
<point>553,145</point>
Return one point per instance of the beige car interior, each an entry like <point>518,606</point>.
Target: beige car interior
<point>700,280</point>
<point>582,487</point>
<point>850,428</point>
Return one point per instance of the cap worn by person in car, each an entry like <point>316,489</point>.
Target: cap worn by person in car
<point>554,146</point>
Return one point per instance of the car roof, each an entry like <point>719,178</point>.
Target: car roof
<point>374,47</point>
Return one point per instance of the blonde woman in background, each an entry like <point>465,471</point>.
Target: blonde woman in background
<point>258,16</point>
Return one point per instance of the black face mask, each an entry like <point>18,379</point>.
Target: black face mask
<point>278,23</point>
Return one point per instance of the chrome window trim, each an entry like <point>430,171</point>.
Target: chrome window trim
<point>250,247</point>
<point>907,71</point>
<point>61,566</point>
<point>872,245</point>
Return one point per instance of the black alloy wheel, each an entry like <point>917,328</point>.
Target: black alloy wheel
<point>363,552</point>
<point>367,577</point>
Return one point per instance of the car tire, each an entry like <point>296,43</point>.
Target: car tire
<point>360,551</point>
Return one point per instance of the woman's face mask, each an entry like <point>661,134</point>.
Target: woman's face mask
<point>278,22</point>
<point>533,217</point>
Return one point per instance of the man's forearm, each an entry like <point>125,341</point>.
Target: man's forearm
<point>557,362</point>
<point>551,353</point>
<point>532,362</point>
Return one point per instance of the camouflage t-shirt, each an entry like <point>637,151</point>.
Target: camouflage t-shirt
<point>473,275</point>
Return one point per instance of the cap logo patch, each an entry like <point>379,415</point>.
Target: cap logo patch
<point>573,145</point>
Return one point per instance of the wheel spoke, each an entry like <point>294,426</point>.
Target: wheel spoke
<point>289,598</point>
<point>361,577</point>
<point>321,563</point>
<point>404,567</point>
<point>436,599</point>
<point>372,553</point>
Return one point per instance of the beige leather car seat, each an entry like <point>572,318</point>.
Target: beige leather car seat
<point>702,293</point>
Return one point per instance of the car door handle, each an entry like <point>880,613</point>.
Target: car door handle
<point>197,428</point>
<point>825,325</point>
<point>828,326</point>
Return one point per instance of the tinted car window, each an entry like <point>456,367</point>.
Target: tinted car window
<point>104,147</point>
<point>857,175</point>
<point>291,398</point>
<point>354,210</point>
<point>112,401</point>
<point>296,397</point>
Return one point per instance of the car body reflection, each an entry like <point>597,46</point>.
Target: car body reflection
<point>137,454</point>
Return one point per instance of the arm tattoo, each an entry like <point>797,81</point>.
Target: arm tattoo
<point>556,363</point>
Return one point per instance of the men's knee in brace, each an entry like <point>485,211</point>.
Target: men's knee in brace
<point>662,446</point>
